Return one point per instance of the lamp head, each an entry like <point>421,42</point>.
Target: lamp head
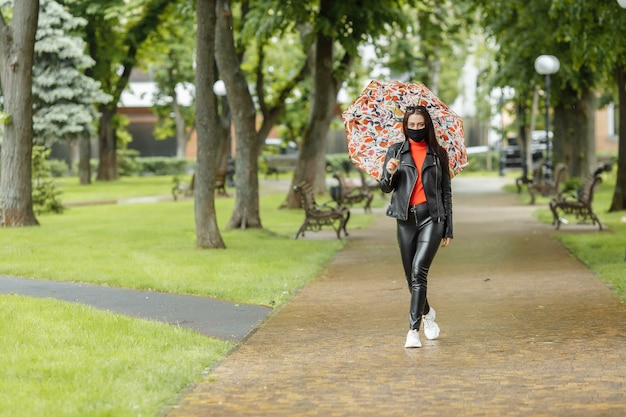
<point>547,64</point>
<point>219,88</point>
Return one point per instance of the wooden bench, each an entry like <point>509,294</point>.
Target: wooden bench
<point>280,163</point>
<point>546,187</point>
<point>349,195</point>
<point>186,189</point>
<point>579,205</point>
<point>317,216</point>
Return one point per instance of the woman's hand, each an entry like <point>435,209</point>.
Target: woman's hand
<point>392,166</point>
<point>445,241</point>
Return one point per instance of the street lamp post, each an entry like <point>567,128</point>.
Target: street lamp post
<point>219,88</point>
<point>547,65</point>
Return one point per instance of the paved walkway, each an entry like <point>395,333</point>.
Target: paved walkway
<point>208,316</point>
<point>527,330</point>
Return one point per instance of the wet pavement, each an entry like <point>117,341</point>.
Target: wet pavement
<point>526,330</point>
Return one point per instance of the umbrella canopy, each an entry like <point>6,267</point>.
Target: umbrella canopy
<point>374,122</point>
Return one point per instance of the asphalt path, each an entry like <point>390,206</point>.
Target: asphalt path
<point>209,316</point>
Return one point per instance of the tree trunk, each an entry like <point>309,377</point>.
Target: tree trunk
<point>246,212</point>
<point>574,141</point>
<point>619,195</point>
<point>179,121</point>
<point>84,166</point>
<point>311,161</point>
<point>207,231</point>
<point>107,168</point>
<point>16,63</point>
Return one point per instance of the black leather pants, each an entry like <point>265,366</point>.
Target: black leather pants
<point>419,239</point>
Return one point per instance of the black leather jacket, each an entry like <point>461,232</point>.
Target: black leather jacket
<point>436,181</point>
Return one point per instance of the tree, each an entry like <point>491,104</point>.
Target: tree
<point>547,28</point>
<point>168,57</point>
<point>207,231</point>
<point>433,47</point>
<point>115,32</point>
<point>601,49</point>
<point>337,29</point>
<point>17,49</point>
<point>229,57</point>
<point>64,97</point>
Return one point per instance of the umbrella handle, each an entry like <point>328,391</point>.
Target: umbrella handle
<point>400,149</point>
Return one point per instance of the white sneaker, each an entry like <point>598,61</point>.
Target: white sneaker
<point>431,329</point>
<point>413,339</point>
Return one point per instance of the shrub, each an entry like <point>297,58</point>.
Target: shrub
<point>339,162</point>
<point>126,162</point>
<point>45,192</point>
<point>57,168</point>
<point>162,166</point>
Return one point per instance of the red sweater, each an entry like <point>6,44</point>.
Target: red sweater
<point>418,152</point>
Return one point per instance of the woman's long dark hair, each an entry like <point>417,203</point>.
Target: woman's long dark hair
<point>431,139</point>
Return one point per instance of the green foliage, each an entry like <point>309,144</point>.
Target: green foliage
<point>127,162</point>
<point>168,56</point>
<point>57,168</point>
<point>339,162</point>
<point>479,162</point>
<point>430,44</point>
<point>45,191</point>
<point>572,185</point>
<point>162,166</point>
<point>63,97</point>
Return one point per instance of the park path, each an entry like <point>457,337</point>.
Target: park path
<point>526,330</point>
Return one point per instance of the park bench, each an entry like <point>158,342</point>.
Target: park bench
<point>317,216</point>
<point>186,189</point>
<point>349,195</point>
<point>546,186</point>
<point>579,204</point>
<point>280,163</point>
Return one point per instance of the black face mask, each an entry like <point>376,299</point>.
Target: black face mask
<point>417,135</point>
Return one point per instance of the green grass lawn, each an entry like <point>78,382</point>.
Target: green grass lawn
<point>64,359</point>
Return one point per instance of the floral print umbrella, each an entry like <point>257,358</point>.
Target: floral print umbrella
<point>374,122</point>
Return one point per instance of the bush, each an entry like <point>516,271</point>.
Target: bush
<point>572,185</point>
<point>45,191</point>
<point>162,166</point>
<point>339,162</point>
<point>478,162</point>
<point>126,162</point>
<point>57,168</point>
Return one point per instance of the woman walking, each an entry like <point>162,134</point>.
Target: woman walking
<point>416,171</point>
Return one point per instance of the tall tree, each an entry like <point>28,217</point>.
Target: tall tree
<point>17,49</point>
<point>207,121</point>
<point>337,29</point>
<point>593,28</point>
<point>246,211</point>
<point>432,49</point>
<point>64,97</point>
<point>168,57</point>
<point>115,32</point>
<point>546,27</point>
<point>230,60</point>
